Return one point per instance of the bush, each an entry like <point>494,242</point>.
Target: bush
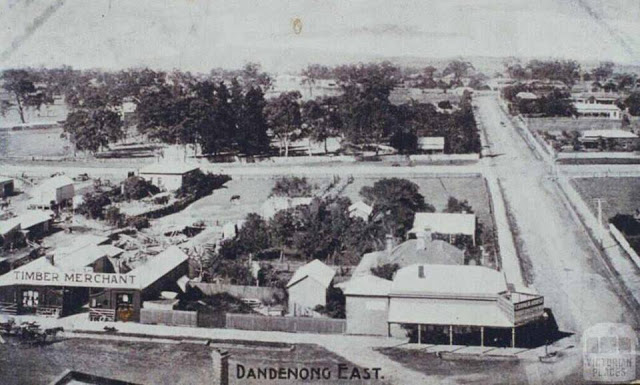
<point>138,223</point>
<point>404,142</point>
<point>199,184</point>
<point>93,205</point>
<point>114,217</point>
<point>137,188</point>
<point>292,187</point>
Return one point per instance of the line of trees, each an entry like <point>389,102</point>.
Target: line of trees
<point>226,111</point>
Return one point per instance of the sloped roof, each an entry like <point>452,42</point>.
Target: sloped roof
<point>79,259</point>
<point>168,168</point>
<point>274,204</point>
<point>431,142</point>
<point>613,134</point>
<point>368,285</point>
<point>449,280</point>
<point>360,205</point>
<point>316,270</point>
<point>526,95</point>
<point>596,107</point>
<point>445,312</point>
<point>9,225</point>
<point>405,254</point>
<point>55,183</point>
<point>158,266</point>
<point>35,217</point>
<point>445,223</point>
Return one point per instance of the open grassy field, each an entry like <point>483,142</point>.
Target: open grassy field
<point>620,195</point>
<point>36,143</point>
<point>153,363</point>
<point>581,124</point>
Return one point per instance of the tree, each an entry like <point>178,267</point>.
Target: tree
<point>251,135</point>
<point>219,134</point>
<point>395,202</point>
<point>23,86</point>
<point>404,142</point>
<point>253,236</point>
<point>136,188</point>
<point>603,71</point>
<point>312,73</point>
<point>292,187</point>
<point>633,103</point>
<point>93,205</point>
<point>93,129</point>
<point>336,304</point>
<point>285,119</point>
<point>199,184</point>
<point>281,229</point>
<point>322,118</point>
<point>458,68</point>
<point>456,206</point>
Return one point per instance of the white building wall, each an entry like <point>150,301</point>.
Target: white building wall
<point>367,315</point>
<point>163,181</point>
<point>306,294</point>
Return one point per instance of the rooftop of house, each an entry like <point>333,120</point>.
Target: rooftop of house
<point>158,266</point>
<point>408,253</point>
<point>274,204</point>
<point>361,206</point>
<point>526,95</point>
<point>4,180</point>
<point>445,223</point>
<point>367,285</point>
<point>610,134</point>
<point>595,107</point>
<point>451,280</point>
<point>55,183</point>
<point>34,217</point>
<point>168,168</point>
<point>315,270</point>
<point>431,142</point>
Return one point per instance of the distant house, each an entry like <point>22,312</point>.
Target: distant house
<point>431,144</point>
<point>450,224</point>
<point>617,139</point>
<point>6,187</point>
<point>308,287</point>
<point>610,111</point>
<point>274,204</point>
<point>72,377</point>
<point>526,96</point>
<point>424,250</point>
<point>54,192</point>
<point>360,210</point>
<point>169,176</point>
<point>10,233</point>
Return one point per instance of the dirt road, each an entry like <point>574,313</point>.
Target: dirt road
<point>564,265</point>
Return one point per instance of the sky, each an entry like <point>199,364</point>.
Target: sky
<point>199,35</point>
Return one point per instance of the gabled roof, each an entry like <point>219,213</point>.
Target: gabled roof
<point>55,183</point>
<point>361,206</point>
<point>449,280</point>
<point>158,266</point>
<point>595,107</point>
<point>35,217</point>
<point>445,223</point>
<point>431,142</point>
<point>367,285</point>
<point>79,259</point>
<point>405,254</point>
<point>315,270</point>
<point>526,95</point>
<point>9,225</point>
<point>168,168</point>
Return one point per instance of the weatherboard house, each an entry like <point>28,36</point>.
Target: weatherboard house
<point>308,287</point>
<point>168,176</point>
<point>445,304</point>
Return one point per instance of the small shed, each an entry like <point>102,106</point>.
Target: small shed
<point>6,187</point>
<point>169,176</point>
<point>308,287</point>
<point>56,191</point>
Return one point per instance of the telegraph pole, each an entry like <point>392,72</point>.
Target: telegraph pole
<point>601,229</point>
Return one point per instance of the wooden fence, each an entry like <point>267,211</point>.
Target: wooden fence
<point>169,317</point>
<point>619,237</point>
<point>286,324</point>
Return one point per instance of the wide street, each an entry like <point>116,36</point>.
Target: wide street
<point>564,265</point>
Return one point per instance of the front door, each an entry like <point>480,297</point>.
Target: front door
<point>30,301</point>
<point>124,307</point>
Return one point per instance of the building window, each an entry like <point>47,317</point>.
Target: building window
<point>30,298</point>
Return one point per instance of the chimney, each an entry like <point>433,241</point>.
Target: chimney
<point>389,242</point>
<point>50,259</point>
<point>421,271</point>
<point>220,363</point>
